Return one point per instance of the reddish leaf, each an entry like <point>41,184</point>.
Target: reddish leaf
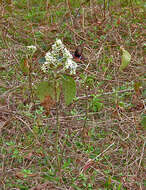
<point>118,21</point>
<point>137,86</point>
<point>48,103</point>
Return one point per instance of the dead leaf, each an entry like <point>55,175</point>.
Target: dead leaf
<point>48,103</point>
<point>2,68</point>
<point>115,114</point>
<point>22,175</point>
<point>135,99</point>
<point>32,175</point>
<point>53,28</point>
<point>19,175</point>
<point>26,63</point>
<point>28,156</point>
<point>134,26</point>
<point>118,21</point>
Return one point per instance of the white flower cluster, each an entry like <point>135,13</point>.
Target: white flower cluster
<point>59,56</point>
<point>31,49</point>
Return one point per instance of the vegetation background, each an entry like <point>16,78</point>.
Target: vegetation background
<point>99,140</point>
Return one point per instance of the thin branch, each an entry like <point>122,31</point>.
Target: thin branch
<point>107,93</point>
<point>28,128</point>
<point>104,151</point>
<point>141,157</point>
<point>12,89</point>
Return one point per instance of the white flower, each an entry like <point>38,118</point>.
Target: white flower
<point>57,47</point>
<point>73,69</point>
<point>68,63</point>
<point>67,54</point>
<point>59,42</point>
<point>72,65</point>
<point>45,67</point>
<point>31,49</point>
<point>50,58</point>
<point>48,55</point>
<point>59,56</point>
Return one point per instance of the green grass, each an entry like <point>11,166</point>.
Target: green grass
<point>98,142</point>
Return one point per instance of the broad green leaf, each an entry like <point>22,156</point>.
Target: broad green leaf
<point>126,57</point>
<point>44,89</point>
<point>58,90</point>
<point>69,88</point>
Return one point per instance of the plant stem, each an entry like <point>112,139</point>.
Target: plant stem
<point>31,97</point>
<point>58,130</point>
<point>86,116</point>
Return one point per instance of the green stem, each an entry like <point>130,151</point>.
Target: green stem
<point>58,128</point>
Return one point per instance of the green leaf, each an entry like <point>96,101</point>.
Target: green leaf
<point>44,89</point>
<point>96,104</point>
<point>41,60</point>
<point>69,88</point>
<point>143,121</point>
<point>119,187</point>
<point>126,57</point>
<point>144,93</point>
<point>58,90</point>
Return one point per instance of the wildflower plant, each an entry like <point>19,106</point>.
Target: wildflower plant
<point>59,67</point>
<point>31,50</point>
<point>60,58</point>
<point>27,67</point>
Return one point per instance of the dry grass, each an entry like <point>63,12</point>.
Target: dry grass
<point>92,148</point>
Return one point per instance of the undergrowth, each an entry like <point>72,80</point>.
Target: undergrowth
<point>95,142</point>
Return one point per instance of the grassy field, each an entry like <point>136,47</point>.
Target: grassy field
<point>97,142</point>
